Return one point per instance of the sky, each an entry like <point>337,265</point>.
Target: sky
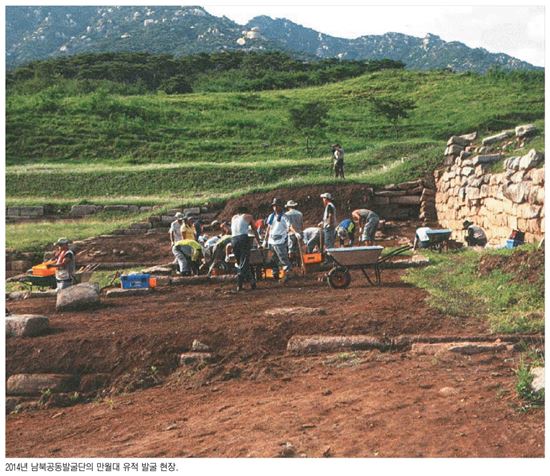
<point>514,30</point>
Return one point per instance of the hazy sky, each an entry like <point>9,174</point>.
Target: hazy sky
<point>515,30</point>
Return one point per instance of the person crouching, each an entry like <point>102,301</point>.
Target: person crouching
<point>188,254</point>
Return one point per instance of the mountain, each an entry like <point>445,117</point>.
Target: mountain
<point>39,32</point>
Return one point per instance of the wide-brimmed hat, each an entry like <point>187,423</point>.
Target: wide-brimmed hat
<point>466,224</point>
<point>277,201</point>
<point>291,203</point>
<point>326,195</point>
<point>62,241</point>
<point>179,216</point>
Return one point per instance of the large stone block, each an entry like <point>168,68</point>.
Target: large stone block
<point>77,297</point>
<point>457,140</point>
<point>537,176</point>
<point>516,192</point>
<point>486,159</point>
<point>531,159</point>
<point>116,208</point>
<point>36,384</point>
<point>389,193</point>
<point>26,325</point>
<point>467,171</point>
<point>518,176</point>
<point>192,210</point>
<point>528,211</point>
<point>498,137</point>
<point>119,292</point>
<point>512,163</point>
<point>36,211</point>
<point>469,137</point>
<point>406,200</point>
<point>82,210</point>
<point>525,130</point>
<point>13,212</point>
<point>410,185</point>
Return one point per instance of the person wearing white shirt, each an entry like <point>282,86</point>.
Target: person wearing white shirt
<point>278,226</point>
<point>175,229</point>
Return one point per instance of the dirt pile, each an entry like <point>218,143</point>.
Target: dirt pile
<point>347,198</point>
<point>523,265</point>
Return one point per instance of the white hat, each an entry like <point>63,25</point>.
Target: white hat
<point>327,195</point>
<point>291,203</point>
<point>179,216</point>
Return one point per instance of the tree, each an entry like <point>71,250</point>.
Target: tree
<point>308,118</point>
<point>392,109</point>
<point>177,85</point>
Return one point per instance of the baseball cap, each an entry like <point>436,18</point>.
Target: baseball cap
<point>326,195</point>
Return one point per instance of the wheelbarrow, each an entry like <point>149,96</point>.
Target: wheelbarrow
<point>438,239</point>
<point>364,258</point>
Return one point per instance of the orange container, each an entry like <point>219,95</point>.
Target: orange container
<point>310,258</point>
<point>43,270</point>
<point>268,273</point>
<point>152,282</point>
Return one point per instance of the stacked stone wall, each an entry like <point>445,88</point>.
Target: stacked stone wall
<point>497,193</point>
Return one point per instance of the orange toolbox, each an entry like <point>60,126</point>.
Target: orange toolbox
<point>311,258</point>
<point>43,270</point>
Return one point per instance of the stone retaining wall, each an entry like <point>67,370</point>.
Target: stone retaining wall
<point>472,186</point>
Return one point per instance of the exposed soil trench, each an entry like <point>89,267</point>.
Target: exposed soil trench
<point>253,397</point>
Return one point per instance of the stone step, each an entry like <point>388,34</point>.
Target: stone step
<point>37,384</point>
<point>26,325</point>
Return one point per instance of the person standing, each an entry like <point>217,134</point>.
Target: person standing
<point>296,220</point>
<point>368,223</point>
<point>277,238</point>
<point>241,243</point>
<point>338,153</point>
<point>65,264</point>
<point>175,228</point>
<point>187,229</point>
<point>329,221</point>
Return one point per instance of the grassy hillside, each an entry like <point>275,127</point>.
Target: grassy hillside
<point>61,146</point>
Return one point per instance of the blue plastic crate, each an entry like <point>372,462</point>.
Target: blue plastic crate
<point>134,281</point>
<point>513,243</point>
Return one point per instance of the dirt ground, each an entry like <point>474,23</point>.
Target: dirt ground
<point>254,397</point>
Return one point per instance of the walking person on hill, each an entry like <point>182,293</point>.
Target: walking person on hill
<point>241,243</point>
<point>338,160</point>
<point>329,221</point>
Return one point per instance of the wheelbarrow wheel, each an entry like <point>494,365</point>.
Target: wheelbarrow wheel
<point>339,278</point>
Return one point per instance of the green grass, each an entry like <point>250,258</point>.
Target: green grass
<point>37,235</point>
<point>62,149</point>
<point>456,289</point>
<point>529,359</point>
<point>221,128</point>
